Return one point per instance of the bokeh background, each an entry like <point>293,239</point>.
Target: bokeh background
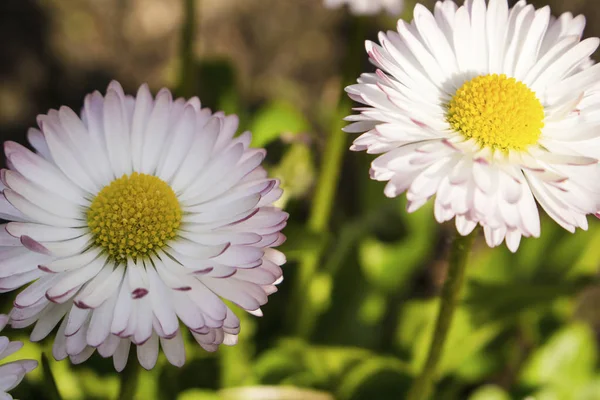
<point>353,318</point>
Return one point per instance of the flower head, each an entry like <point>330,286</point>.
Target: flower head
<point>12,373</point>
<point>489,109</point>
<point>142,214</point>
<point>368,7</point>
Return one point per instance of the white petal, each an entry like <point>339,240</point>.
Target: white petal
<point>116,133</point>
<point>174,349</point>
<point>148,352</point>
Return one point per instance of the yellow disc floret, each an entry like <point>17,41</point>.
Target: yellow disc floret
<point>497,112</point>
<point>134,215</point>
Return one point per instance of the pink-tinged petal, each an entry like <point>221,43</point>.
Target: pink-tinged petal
<point>161,305</point>
<point>74,279</point>
<point>174,349</point>
<point>147,353</point>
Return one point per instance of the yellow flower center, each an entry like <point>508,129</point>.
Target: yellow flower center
<point>134,215</point>
<point>497,112</point>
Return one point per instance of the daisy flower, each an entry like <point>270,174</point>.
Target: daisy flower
<point>368,7</point>
<point>11,374</point>
<point>488,109</point>
<point>137,217</point>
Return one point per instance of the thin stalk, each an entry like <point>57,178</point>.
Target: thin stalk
<point>187,73</point>
<point>423,386</point>
<point>129,377</point>
<point>319,219</point>
<point>323,201</point>
<point>50,388</point>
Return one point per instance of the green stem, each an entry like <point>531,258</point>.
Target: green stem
<point>187,75</point>
<point>423,385</point>
<point>319,221</point>
<point>50,387</point>
<point>330,171</point>
<point>129,377</point>
<point>325,190</point>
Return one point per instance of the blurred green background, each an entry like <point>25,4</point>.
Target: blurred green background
<point>353,318</point>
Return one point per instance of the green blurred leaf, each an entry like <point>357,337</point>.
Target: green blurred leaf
<point>566,360</point>
<point>300,240</point>
<point>480,364</point>
<point>49,383</point>
<point>591,391</point>
<point>98,386</point>
<point>237,361</point>
<point>273,392</point>
<point>588,258</point>
<point>295,362</point>
<point>319,293</point>
<point>277,364</point>
<point>545,271</point>
<point>217,80</point>
<point>554,258</point>
<point>198,394</point>
<point>296,172</point>
<point>389,266</point>
<point>274,119</point>
<point>376,378</point>
<point>501,301</point>
<point>490,392</point>
<point>415,329</point>
<point>372,309</point>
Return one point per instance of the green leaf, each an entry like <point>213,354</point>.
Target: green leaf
<point>273,392</point>
<point>236,362</point>
<point>198,394</point>
<point>319,292</point>
<point>131,378</point>
<point>217,81</point>
<point>372,309</point>
<point>274,119</point>
<point>506,301</point>
<point>277,364</point>
<point>490,392</point>
<point>415,329</point>
<point>296,172</point>
<point>480,364</point>
<point>300,240</point>
<point>295,362</point>
<point>588,257</point>
<point>390,266</point>
<point>49,383</point>
<point>376,378</point>
<point>567,359</point>
<point>591,390</point>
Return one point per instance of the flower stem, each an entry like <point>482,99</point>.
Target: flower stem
<point>50,387</point>
<point>189,27</point>
<point>423,385</point>
<point>129,377</point>
<point>319,218</point>
<point>305,315</point>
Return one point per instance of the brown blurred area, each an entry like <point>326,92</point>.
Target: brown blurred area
<point>53,52</point>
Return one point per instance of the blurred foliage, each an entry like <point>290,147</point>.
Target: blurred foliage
<point>520,331</point>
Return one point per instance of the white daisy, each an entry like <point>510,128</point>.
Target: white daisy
<point>368,7</point>
<point>142,214</point>
<point>12,373</point>
<point>488,109</point>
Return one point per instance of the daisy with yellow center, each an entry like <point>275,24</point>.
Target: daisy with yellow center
<point>488,109</point>
<point>497,112</point>
<point>133,219</point>
<point>133,216</point>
